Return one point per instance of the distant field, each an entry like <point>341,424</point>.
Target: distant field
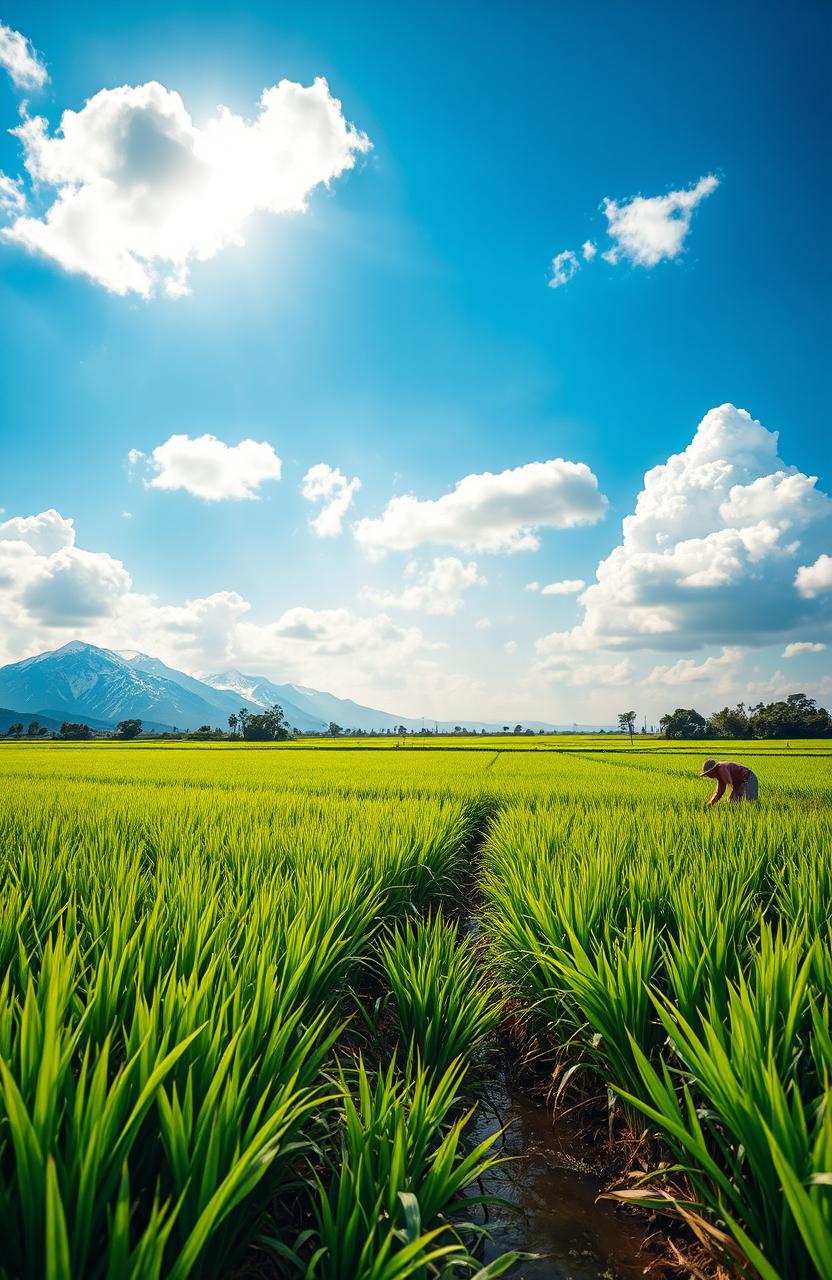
<point>186,927</point>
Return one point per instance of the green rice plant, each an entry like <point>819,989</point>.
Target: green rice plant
<point>714,911</point>
<point>397,1179</point>
<point>763,1122</point>
<point>65,1134</point>
<point>606,1000</point>
<point>445,1010</point>
<point>802,877</point>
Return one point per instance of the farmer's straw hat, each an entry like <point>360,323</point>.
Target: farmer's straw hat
<point>707,766</point>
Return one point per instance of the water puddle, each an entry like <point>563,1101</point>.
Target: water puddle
<point>555,1209</point>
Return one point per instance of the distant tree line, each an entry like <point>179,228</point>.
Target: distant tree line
<point>73,730</point>
<point>798,716</point>
<point>34,730</point>
<point>67,730</point>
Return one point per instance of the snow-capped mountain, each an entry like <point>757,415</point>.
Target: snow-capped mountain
<point>243,691</point>
<point>311,704</point>
<point>81,680</point>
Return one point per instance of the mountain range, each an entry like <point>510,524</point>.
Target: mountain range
<point>102,686</point>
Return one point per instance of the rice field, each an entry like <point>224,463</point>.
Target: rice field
<point>243,1018</point>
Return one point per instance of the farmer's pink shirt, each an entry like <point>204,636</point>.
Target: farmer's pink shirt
<point>728,774</point>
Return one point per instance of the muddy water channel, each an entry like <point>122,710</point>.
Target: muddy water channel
<point>555,1209</point>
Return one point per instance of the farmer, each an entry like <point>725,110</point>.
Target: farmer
<point>742,781</point>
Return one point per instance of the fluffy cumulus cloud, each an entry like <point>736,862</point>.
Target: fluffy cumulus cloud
<point>490,512</point>
<point>208,468</point>
<point>437,590</point>
<point>815,579</point>
<point>329,486</point>
<point>47,581</point>
<point>803,646</point>
<point>22,62</point>
<point>139,191</point>
<point>76,586</point>
<point>719,550</point>
<point>648,229</point>
<point>43,533</point>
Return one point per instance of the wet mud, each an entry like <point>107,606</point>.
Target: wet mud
<point>553,1196</point>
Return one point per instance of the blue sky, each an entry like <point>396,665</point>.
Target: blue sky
<point>403,330</point>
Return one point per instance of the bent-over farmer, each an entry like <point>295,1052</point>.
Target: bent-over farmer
<point>726,773</point>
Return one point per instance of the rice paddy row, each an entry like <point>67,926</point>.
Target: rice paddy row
<point>235,1022</point>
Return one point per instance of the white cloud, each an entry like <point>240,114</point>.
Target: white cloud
<point>483,624</point>
<point>140,191</point>
<point>21,60</point>
<point>564,267</point>
<point>688,671</point>
<point>437,590</point>
<point>812,580</point>
<point>803,646</point>
<point>566,587</point>
<point>46,579</point>
<point>12,197</point>
<point>490,512</point>
<point>510,647</point>
<point>788,499</point>
<point>558,668</point>
<point>330,485</point>
<point>75,586</point>
<point>689,571</point>
<point>646,230</point>
<point>334,632</point>
<point>606,674</point>
<point>44,533</point>
<point>208,468</point>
